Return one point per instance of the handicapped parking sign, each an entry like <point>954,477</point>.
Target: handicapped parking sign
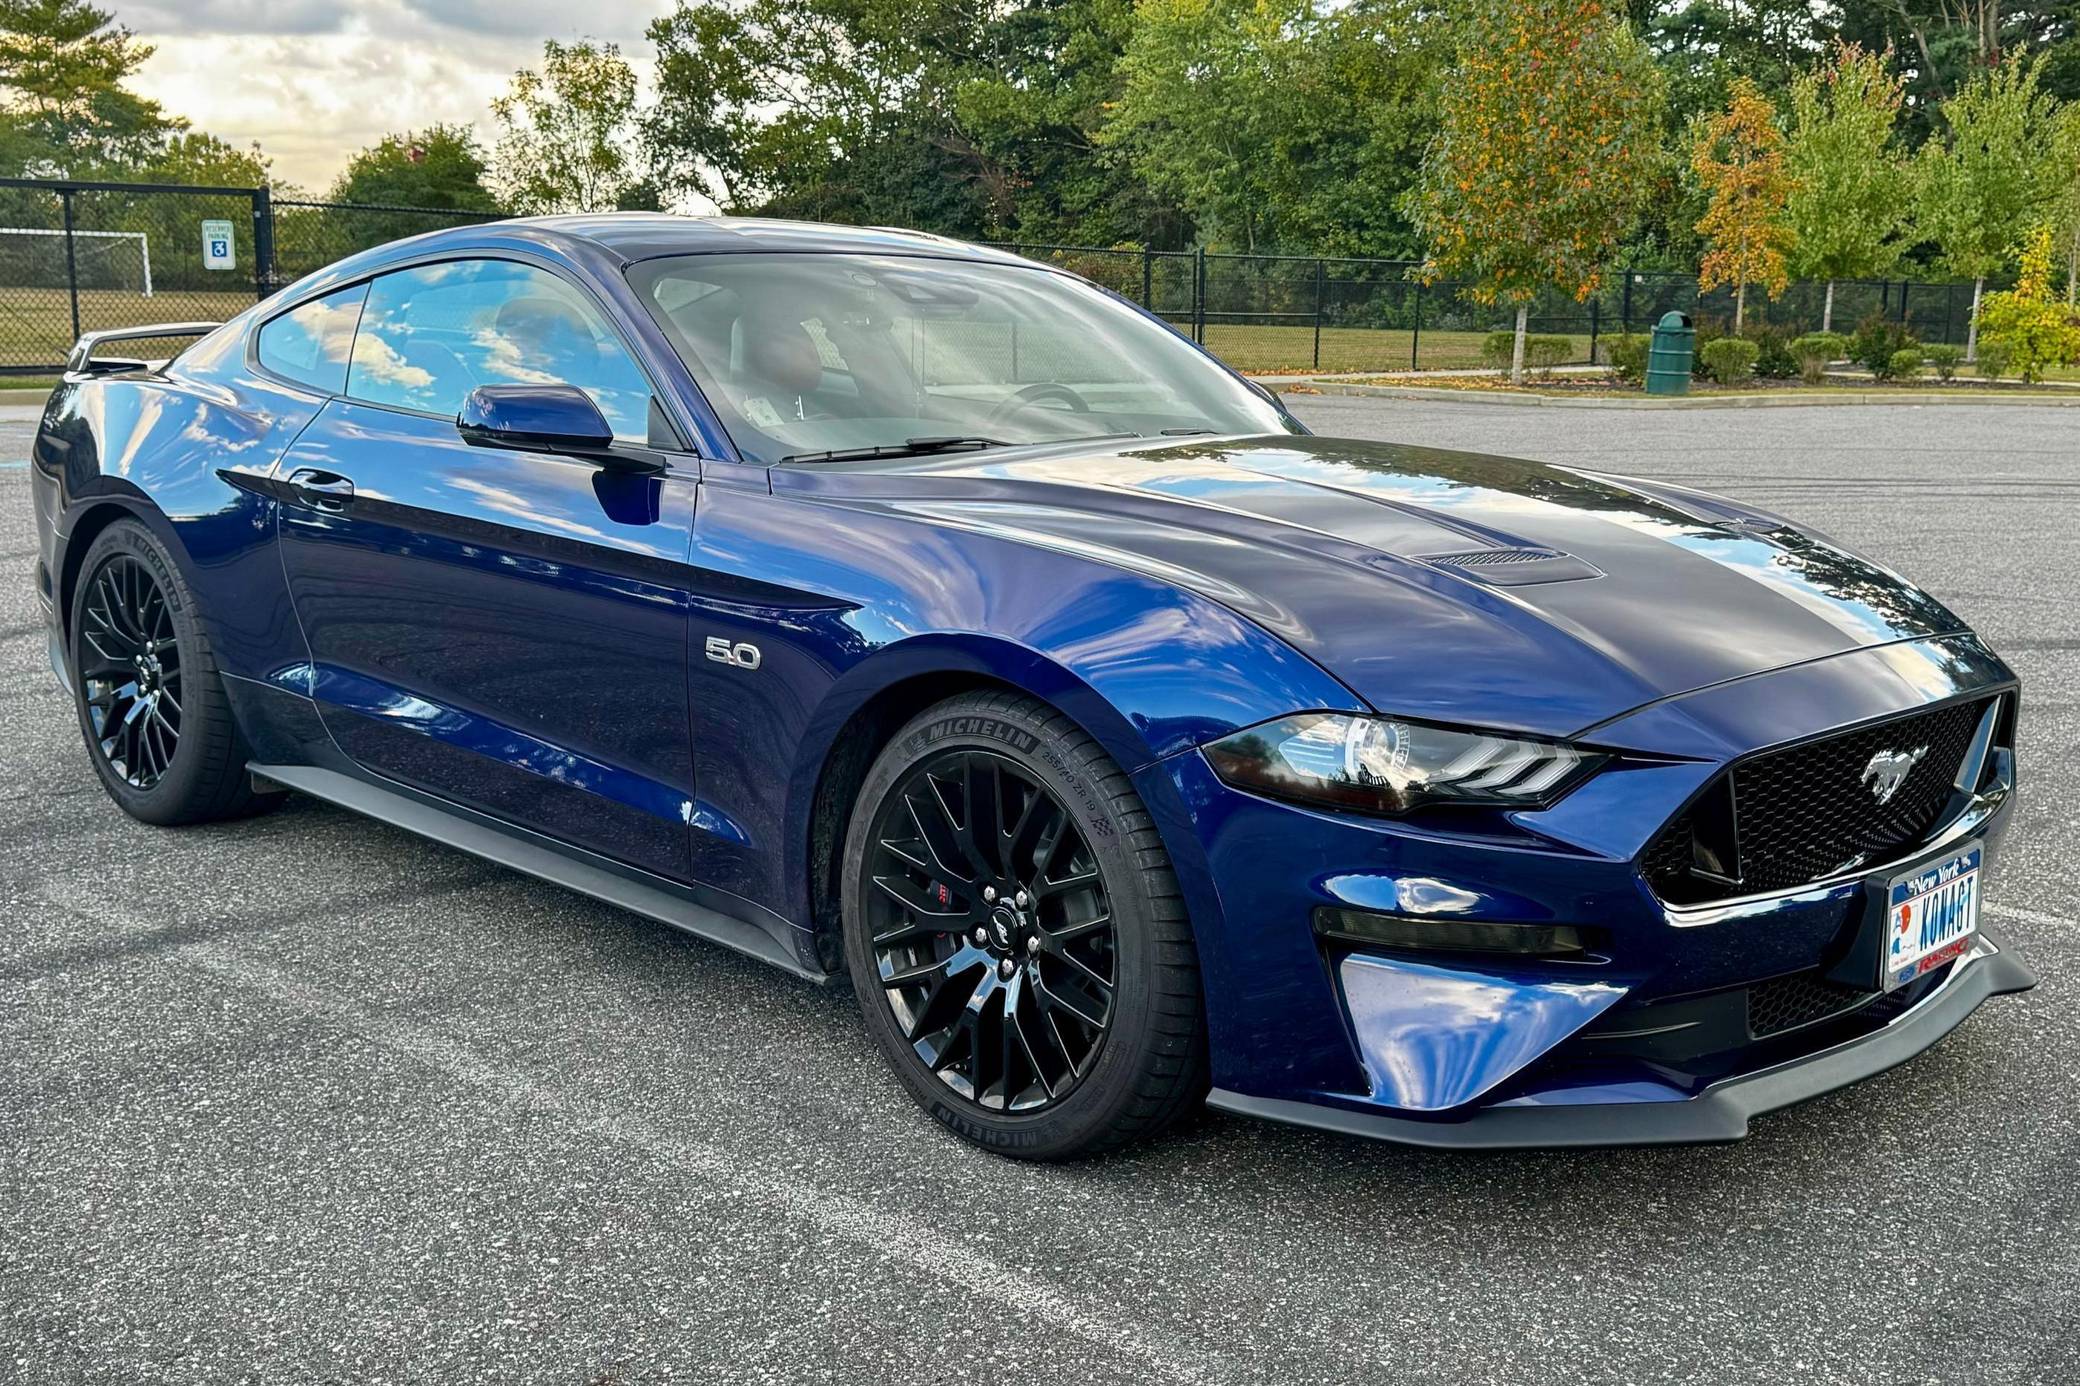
<point>217,250</point>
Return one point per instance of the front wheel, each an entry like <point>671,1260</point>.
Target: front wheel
<point>1016,936</point>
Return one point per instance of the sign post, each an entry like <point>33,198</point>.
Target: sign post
<point>218,252</point>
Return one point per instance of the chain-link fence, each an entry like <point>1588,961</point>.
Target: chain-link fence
<point>80,256</point>
<point>1272,313</point>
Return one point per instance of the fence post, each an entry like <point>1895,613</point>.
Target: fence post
<point>263,242</point>
<point>1415,336</point>
<point>1148,279</point>
<point>1593,323</point>
<point>71,261</point>
<point>1904,285</point>
<point>1625,308</point>
<point>1199,295</point>
<point>1321,282</point>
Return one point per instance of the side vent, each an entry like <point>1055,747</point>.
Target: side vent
<point>1513,567</point>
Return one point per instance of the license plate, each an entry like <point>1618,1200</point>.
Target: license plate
<point>1931,916</point>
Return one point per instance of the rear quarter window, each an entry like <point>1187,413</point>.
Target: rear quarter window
<point>312,344</point>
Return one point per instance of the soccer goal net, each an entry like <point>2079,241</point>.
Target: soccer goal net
<point>35,257</point>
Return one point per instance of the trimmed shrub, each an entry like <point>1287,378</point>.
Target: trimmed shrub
<point>1541,353</point>
<point>1994,359</point>
<point>1877,341</point>
<point>1943,358</point>
<point>1706,331</point>
<point>1906,363</point>
<point>1544,353</point>
<point>1816,351</point>
<point>1731,360</point>
<point>1776,361</point>
<point>1627,354</point>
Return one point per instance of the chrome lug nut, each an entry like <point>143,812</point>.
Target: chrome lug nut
<point>1032,943</point>
<point>1024,899</point>
<point>981,936</point>
<point>1006,968</point>
<point>989,895</point>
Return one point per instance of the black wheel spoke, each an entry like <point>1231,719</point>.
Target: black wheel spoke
<point>935,830</point>
<point>972,852</point>
<point>129,669</point>
<point>1048,887</point>
<point>982,785</point>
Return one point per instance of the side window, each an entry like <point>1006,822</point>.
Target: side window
<point>310,344</point>
<point>431,334</point>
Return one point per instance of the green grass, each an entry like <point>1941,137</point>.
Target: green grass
<point>1279,349</point>
<point>36,324</point>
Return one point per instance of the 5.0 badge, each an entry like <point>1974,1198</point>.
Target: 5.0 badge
<point>740,655</point>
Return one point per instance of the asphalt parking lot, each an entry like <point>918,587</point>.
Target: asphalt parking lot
<point>305,1098</point>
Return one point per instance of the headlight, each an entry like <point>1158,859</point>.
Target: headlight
<point>1387,765</point>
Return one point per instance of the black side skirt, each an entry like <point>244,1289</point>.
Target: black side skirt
<point>602,879</point>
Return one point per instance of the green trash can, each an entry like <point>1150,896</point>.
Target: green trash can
<point>1669,354</point>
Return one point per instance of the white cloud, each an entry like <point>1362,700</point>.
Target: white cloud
<point>315,82</point>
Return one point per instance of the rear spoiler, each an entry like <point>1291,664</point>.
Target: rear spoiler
<point>82,362</point>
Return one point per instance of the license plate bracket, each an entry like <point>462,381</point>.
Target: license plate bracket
<point>1916,919</point>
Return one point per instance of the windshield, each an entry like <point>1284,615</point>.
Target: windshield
<point>819,353</point>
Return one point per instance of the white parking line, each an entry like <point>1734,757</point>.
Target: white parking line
<point>877,1231</point>
<point>2032,916</point>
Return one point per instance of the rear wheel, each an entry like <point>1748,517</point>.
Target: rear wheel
<point>152,708</point>
<point>1015,934</point>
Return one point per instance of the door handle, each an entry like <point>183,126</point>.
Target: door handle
<point>323,490</point>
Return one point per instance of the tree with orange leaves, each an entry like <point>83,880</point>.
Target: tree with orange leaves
<point>1738,157</point>
<point>1547,139</point>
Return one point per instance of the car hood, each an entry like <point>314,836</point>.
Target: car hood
<point>1447,585</point>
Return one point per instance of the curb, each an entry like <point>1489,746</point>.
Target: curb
<point>35,397</point>
<point>1788,401</point>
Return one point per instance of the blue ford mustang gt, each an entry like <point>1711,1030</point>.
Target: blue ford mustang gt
<point>886,607</point>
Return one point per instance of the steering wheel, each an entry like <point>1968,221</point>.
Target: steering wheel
<point>1034,394</point>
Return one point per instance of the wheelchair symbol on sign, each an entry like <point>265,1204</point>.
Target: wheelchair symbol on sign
<point>217,249</point>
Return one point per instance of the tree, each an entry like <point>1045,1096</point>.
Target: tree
<point>830,109</point>
<point>1280,124</point>
<point>440,166</point>
<point>1849,198</point>
<point>959,118</point>
<point>1547,134</point>
<point>2037,330</point>
<point>1738,157</point>
<point>1982,181</point>
<point>2063,174</point>
<point>565,132</point>
<point>63,108</point>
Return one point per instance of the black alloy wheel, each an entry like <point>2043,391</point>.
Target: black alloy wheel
<point>130,671</point>
<point>1016,936</point>
<point>992,931</point>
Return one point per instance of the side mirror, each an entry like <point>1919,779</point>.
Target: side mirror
<point>535,418</point>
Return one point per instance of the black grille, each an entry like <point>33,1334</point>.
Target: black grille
<point>1809,811</point>
<point>1785,1003</point>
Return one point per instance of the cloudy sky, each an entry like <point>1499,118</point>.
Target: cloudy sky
<point>315,80</point>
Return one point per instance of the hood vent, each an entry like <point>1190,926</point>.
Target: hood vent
<point>1513,567</point>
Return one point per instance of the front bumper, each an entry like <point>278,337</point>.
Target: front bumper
<point>1719,1112</point>
<point>1325,1029</point>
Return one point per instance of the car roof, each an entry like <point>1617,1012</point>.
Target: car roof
<point>634,236</point>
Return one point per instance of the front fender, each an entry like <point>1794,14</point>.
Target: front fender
<point>876,598</point>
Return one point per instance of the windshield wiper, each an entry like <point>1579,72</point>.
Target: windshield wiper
<point>909,447</point>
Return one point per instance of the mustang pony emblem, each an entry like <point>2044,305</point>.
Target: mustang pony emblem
<point>1888,771</point>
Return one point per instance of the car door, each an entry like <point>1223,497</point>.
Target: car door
<point>503,628</point>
